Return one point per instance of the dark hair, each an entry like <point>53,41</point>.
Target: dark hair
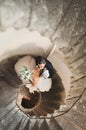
<point>40,60</point>
<point>48,65</point>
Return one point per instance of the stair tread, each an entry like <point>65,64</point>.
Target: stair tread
<point>67,124</point>
<point>36,126</point>
<point>47,109</point>
<point>54,125</point>
<point>52,104</point>
<point>12,121</point>
<point>76,91</point>
<point>6,109</point>
<point>26,125</point>
<point>78,118</point>
<point>40,111</point>
<point>81,106</point>
<point>44,126</point>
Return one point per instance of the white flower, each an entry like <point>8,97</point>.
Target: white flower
<point>25,73</point>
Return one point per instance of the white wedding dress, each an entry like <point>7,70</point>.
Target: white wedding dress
<point>29,62</point>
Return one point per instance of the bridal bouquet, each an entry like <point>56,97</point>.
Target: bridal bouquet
<point>25,74</point>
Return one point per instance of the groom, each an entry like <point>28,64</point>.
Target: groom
<point>46,67</point>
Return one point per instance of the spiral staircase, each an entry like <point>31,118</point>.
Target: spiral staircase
<point>64,23</point>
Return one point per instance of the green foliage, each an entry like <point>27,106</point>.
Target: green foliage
<point>25,73</point>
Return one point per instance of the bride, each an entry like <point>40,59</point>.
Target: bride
<point>38,74</point>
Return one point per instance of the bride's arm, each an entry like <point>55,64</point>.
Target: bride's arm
<point>35,77</point>
<point>35,81</point>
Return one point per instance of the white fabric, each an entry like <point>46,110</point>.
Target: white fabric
<point>44,84</point>
<point>45,73</point>
<point>28,61</point>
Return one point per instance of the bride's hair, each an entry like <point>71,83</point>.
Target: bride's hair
<point>40,60</point>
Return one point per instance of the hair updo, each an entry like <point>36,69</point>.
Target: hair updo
<point>40,60</point>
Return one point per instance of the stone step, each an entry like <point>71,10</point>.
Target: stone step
<point>44,126</point>
<point>78,52</point>
<point>7,93</point>
<point>81,106</point>
<point>77,118</point>
<point>53,124</point>
<point>52,104</point>
<point>77,63</point>
<point>81,82</point>
<point>24,124</point>
<point>37,113</point>
<point>74,92</point>
<point>81,109</point>
<point>56,97</point>
<point>9,78</point>
<point>40,111</point>
<point>71,103</point>
<point>12,121</point>
<point>6,109</point>
<point>31,124</point>
<point>55,94</point>
<point>11,64</point>
<point>7,70</point>
<point>81,112</point>
<point>8,118</point>
<point>66,123</point>
<point>47,109</point>
<point>36,126</point>
<point>15,123</point>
